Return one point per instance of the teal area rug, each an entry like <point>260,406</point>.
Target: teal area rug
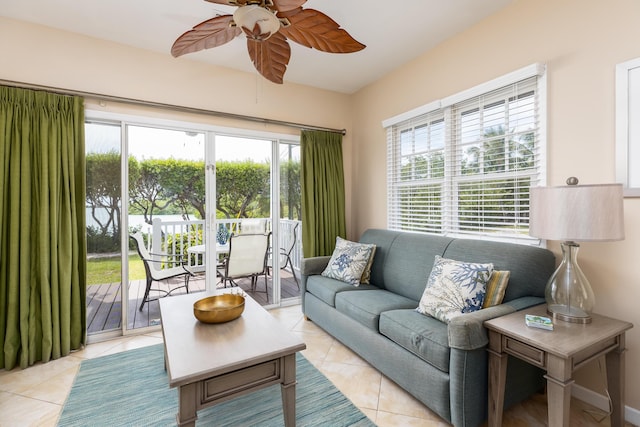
<point>132,389</point>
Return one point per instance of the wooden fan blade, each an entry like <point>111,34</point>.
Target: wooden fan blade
<point>229,2</point>
<point>287,5</point>
<point>314,29</point>
<point>211,33</point>
<point>270,57</point>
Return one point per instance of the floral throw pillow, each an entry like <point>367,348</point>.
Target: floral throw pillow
<point>454,288</point>
<point>349,261</point>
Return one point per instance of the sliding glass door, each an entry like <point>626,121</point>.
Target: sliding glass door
<point>166,206</point>
<point>104,223</point>
<point>290,222</point>
<point>160,194</point>
<point>257,181</point>
<point>163,173</point>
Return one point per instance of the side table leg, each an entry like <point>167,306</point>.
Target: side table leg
<point>615,379</point>
<point>288,388</point>
<point>559,384</point>
<point>558,401</point>
<point>187,397</point>
<point>497,381</point>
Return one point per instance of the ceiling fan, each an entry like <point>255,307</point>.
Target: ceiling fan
<point>267,25</point>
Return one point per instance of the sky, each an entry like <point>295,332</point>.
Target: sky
<point>147,143</point>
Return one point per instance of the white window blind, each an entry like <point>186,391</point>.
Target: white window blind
<point>465,169</point>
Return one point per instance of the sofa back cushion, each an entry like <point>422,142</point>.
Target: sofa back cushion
<point>403,261</point>
<point>530,266</point>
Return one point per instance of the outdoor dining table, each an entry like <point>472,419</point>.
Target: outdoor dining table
<point>200,250</point>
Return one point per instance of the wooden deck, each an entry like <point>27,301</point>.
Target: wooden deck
<point>104,307</point>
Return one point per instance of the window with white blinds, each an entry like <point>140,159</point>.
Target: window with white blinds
<point>464,166</point>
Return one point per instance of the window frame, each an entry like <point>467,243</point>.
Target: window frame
<point>500,91</point>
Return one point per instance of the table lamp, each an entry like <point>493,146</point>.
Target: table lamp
<point>575,213</point>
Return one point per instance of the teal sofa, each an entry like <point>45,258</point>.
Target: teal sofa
<point>442,365</point>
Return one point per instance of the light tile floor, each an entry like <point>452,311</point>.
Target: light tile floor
<point>35,396</point>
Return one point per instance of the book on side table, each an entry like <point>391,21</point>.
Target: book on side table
<point>540,322</point>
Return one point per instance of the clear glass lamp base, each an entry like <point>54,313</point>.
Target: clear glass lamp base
<point>568,314</point>
<point>568,293</point>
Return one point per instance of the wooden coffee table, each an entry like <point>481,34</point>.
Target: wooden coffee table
<point>212,363</point>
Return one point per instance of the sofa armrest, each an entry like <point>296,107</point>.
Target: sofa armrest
<point>467,332</point>
<point>315,265</point>
<point>310,267</point>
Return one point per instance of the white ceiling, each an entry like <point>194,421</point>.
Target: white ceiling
<point>394,33</point>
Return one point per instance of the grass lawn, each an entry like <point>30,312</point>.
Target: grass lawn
<point>107,270</point>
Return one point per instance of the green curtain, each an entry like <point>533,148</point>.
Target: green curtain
<point>42,226</point>
<point>322,176</point>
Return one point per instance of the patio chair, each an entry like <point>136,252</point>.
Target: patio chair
<point>246,259</point>
<point>156,274</point>
<point>284,257</point>
<point>253,226</point>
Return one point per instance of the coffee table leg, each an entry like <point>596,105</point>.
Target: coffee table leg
<point>288,389</point>
<point>187,395</point>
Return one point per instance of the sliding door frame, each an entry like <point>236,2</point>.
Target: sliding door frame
<point>210,131</point>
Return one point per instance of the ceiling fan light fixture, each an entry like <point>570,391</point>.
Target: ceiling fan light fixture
<point>269,26</point>
<point>256,21</point>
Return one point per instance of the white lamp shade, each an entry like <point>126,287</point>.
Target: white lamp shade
<point>578,213</point>
<point>246,17</point>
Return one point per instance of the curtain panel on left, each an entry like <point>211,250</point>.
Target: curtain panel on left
<point>323,197</point>
<point>42,226</point>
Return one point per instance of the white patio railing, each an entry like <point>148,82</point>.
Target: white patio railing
<point>174,237</point>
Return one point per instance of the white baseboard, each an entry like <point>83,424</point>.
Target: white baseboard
<point>601,402</point>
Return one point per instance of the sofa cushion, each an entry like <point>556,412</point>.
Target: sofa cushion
<point>454,287</point>
<point>496,286</point>
<point>366,274</point>
<point>326,289</point>
<point>530,266</point>
<point>365,306</point>
<point>350,262</point>
<point>423,336</point>
<point>409,262</point>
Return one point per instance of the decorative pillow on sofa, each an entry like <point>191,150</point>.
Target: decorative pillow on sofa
<point>454,288</point>
<point>496,286</point>
<point>366,274</point>
<point>349,262</point>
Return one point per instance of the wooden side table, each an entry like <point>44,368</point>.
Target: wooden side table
<point>559,352</point>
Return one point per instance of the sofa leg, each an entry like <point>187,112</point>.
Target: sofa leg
<point>307,318</point>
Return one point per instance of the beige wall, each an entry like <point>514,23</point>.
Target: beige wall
<point>580,41</point>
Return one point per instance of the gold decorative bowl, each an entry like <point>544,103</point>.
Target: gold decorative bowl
<point>219,308</point>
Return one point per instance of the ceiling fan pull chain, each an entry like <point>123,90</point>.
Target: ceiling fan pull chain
<point>257,73</point>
